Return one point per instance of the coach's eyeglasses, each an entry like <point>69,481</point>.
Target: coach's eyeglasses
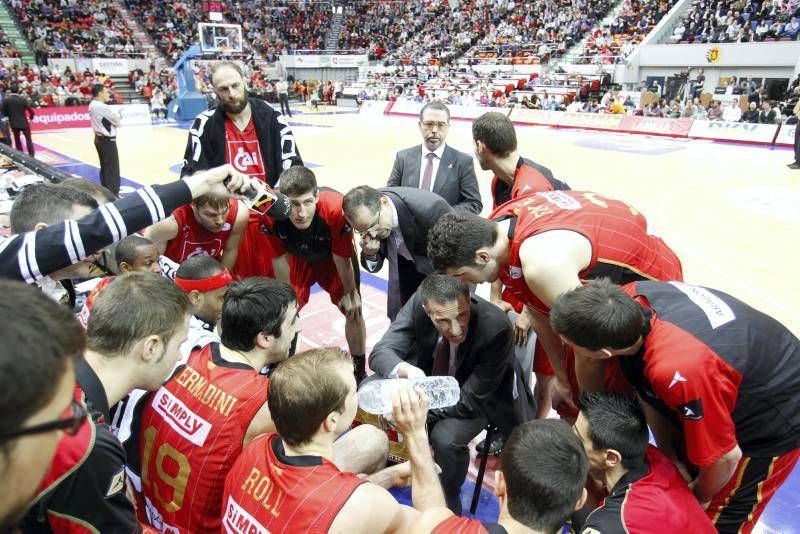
<point>70,424</point>
<point>369,230</point>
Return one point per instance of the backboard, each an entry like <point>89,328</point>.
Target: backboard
<point>220,38</point>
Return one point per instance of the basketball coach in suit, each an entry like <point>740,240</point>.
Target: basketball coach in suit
<point>393,224</point>
<point>434,166</point>
<point>443,330</point>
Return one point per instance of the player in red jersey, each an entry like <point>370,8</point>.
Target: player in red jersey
<point>295,481</point>
<point>640,480</point>
<point>137,324</point>
<point>194,427</point>
<point>38,374</point>
<point>546,244</point>
<point>315,245</point>
<point>209,226</point>
<point>495,141</point>
<point>133,254</point>
<point>539,484</point>
<point>719,381</point>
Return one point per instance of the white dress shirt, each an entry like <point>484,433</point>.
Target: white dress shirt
<point>424,163</point>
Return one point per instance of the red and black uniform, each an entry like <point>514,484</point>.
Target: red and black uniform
<point>194,240</point>
<point>725,374</point>
<point>311,250</point>
<point>529,178</point>
<point>465,525</point>
<point>652,498</point>
<point>268,491</point>
<point>86,310</point>
<point>622,250</point>
<point>84,490</point>
<point>190,433</point>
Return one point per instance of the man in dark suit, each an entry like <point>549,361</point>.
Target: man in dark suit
<point>442,330</point>
<point>19,111</point>
<point>393,225</point>
<point>434,166</point>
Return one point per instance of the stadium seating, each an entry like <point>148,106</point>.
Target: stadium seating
<point>87,28</point>
<point>737,21</point>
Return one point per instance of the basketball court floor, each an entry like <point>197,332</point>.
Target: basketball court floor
<point>730,211</point>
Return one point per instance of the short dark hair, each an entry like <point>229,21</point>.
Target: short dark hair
<point>616,422</point>
<point>40,336</point>
<point>97,88</point>
<point>46,203</point>
<point>496,131</point>
<point>220,64</point>
<point>362,195</point>
<point>127,250</point>
<point>544,465</point>
<point>94,189</point>
<point>198,268</point>
<point>135,305</point>
<point>297,180</point>
<point>434,106</point>
<point>307,384</point>
<point>598,315</point>
<point>454,239</point>
<point>253,306</point>
<point>442,289</point>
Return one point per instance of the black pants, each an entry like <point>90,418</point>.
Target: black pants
<point>28,140</point>
<point>797,141</point>
<point>109,162</point>
<point>284,99</point>
<point>450,438</point>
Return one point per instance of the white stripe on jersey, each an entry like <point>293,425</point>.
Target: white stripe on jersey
<point>149,203</point>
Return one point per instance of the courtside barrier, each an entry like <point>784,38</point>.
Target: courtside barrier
<point>655,126</point>
<point>133,114</point>
<point>785,135</point>
<point>739,132</point>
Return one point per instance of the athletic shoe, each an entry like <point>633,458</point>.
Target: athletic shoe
<point>794,165</point>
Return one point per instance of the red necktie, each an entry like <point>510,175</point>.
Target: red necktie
<point>441,358</point>
<point>426,178</point>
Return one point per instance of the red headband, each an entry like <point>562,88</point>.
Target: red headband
<point>222,279</point>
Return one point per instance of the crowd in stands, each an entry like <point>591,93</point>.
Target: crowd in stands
<point>171,25</point>
<point>51,86</point>
<point>615,41</point>
<point>71,29</point>
<point>7,48</point>
<point>738,21</point>
<point>285,24</point>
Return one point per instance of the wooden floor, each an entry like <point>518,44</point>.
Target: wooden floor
<point>731,212</point>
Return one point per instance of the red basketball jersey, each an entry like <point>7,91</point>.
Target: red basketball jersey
<point>268,491</point>
<point>460,525</point>
<point>622,250</point>
<point>191,433</point>
<point>194,240</point>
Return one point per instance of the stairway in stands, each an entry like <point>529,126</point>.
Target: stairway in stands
<point>142,39</point>
<point>8,23</point>
<point>332,39</point>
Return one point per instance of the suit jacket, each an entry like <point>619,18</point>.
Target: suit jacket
<point>486,366</point>
<point>455,179</point>
<point>417,212</point>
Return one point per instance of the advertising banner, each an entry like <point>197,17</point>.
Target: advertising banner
<point>61,117</point>
<point>656,126</point>
<point>597,121</point>
<point>786,135</point>
<point>535,116</point>
<point>133,114</point>
<point>734,131</point>
<point>111,66</point>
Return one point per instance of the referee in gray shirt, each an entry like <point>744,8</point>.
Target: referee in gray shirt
<point>105,122</point>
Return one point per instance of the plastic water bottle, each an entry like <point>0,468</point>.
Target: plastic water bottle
<point>263,200</point>
<point>375,397</point>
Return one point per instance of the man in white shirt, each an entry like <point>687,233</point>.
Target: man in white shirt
<point>105,122</point>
